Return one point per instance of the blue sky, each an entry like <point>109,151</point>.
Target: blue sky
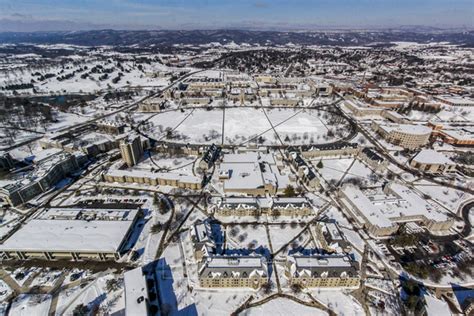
<point>258,14</point>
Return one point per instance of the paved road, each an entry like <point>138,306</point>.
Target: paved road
<point>382,151</point>
<point>121,109</point>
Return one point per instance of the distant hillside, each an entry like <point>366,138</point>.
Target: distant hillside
<point>168,38</point>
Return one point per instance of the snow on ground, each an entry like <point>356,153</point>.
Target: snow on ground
<point>30,304</point>
<point>450,198</point>
<point>391,304</point>
<point>354,238</point>
<point>333,213</point>
<point>173,289</point>
<point>283,307</point>
<point>66,120</point>
<point>339,301</point>
<point>166,119</point>
<point>130,76</point>
<point>202,126</point>
<point>247,237</point>
<point>178,164</point>
<point>360,170</point>
<point>240,124</point>
<point>333,169</point>
<point>5,290</point>
<point>304,128</point>
<point>93,294</point>
<point>21,275</point>
<point>281,236</point>
<point>46,278</point>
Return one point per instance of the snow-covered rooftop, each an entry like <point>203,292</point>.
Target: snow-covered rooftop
<point>430,156</point>
<point>407,129</point>
<point>136,294</point>
<point>73,230</point>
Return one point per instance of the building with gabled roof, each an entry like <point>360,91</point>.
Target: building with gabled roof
<point>233,271</point>
<point>322,271</point>
<point>257,206</point>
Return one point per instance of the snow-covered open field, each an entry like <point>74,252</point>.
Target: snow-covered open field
<point>295,127</point>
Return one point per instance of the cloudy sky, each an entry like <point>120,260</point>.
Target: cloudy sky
<point>37,15</point>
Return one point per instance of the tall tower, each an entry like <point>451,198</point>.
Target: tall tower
<point>131,150</point>
<point>242,96</point>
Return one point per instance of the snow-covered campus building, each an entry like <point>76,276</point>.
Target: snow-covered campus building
<point>217,269</point>
<point>433,162</point>
<point>153,178</point>
<point>252,173</point>
<point>47,172</point>
<point>73,233</point>
<point>404,135</point>
<point>322,271</point>
<point>381,210</point>
<point>257,206</point>
<point>233,271</point>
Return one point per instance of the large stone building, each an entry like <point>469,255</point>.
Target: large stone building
<point>203,239</point>
<point>305,173</point>
<point>322,271</point>
<point>153,178</point>
<point>111,127</point>
<point>381,210</point>
<point>233,271</point>
<point>431,161</point>
<point>250,206</point>
<point>83,139</point>
<point>218,269</point>
<point>326,150</point>
<point>361,109</point>
<point>330,237</point>
<point>131,149</point>
<point>45,175</point>
<point>252,173</point>
<point>73,233</point>
<point>454,135</point>
<point>374,160</point>
<point>404,135</point>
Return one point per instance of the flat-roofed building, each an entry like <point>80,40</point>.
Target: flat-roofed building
<point>405,135</point>
<point>73,233</point>
<point>46,174</point>
<point>381,210</point>
<point>431,161</point>
<point>131,149</point>
<point>252,173</point>
<point>233,271</point>
<point>455,100</point>
<point>394,117</point>
<point>322,271</point>
<point>136,293</point>
<point>153,178</point>
<point>457,136</point>
<point>358,108</point>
